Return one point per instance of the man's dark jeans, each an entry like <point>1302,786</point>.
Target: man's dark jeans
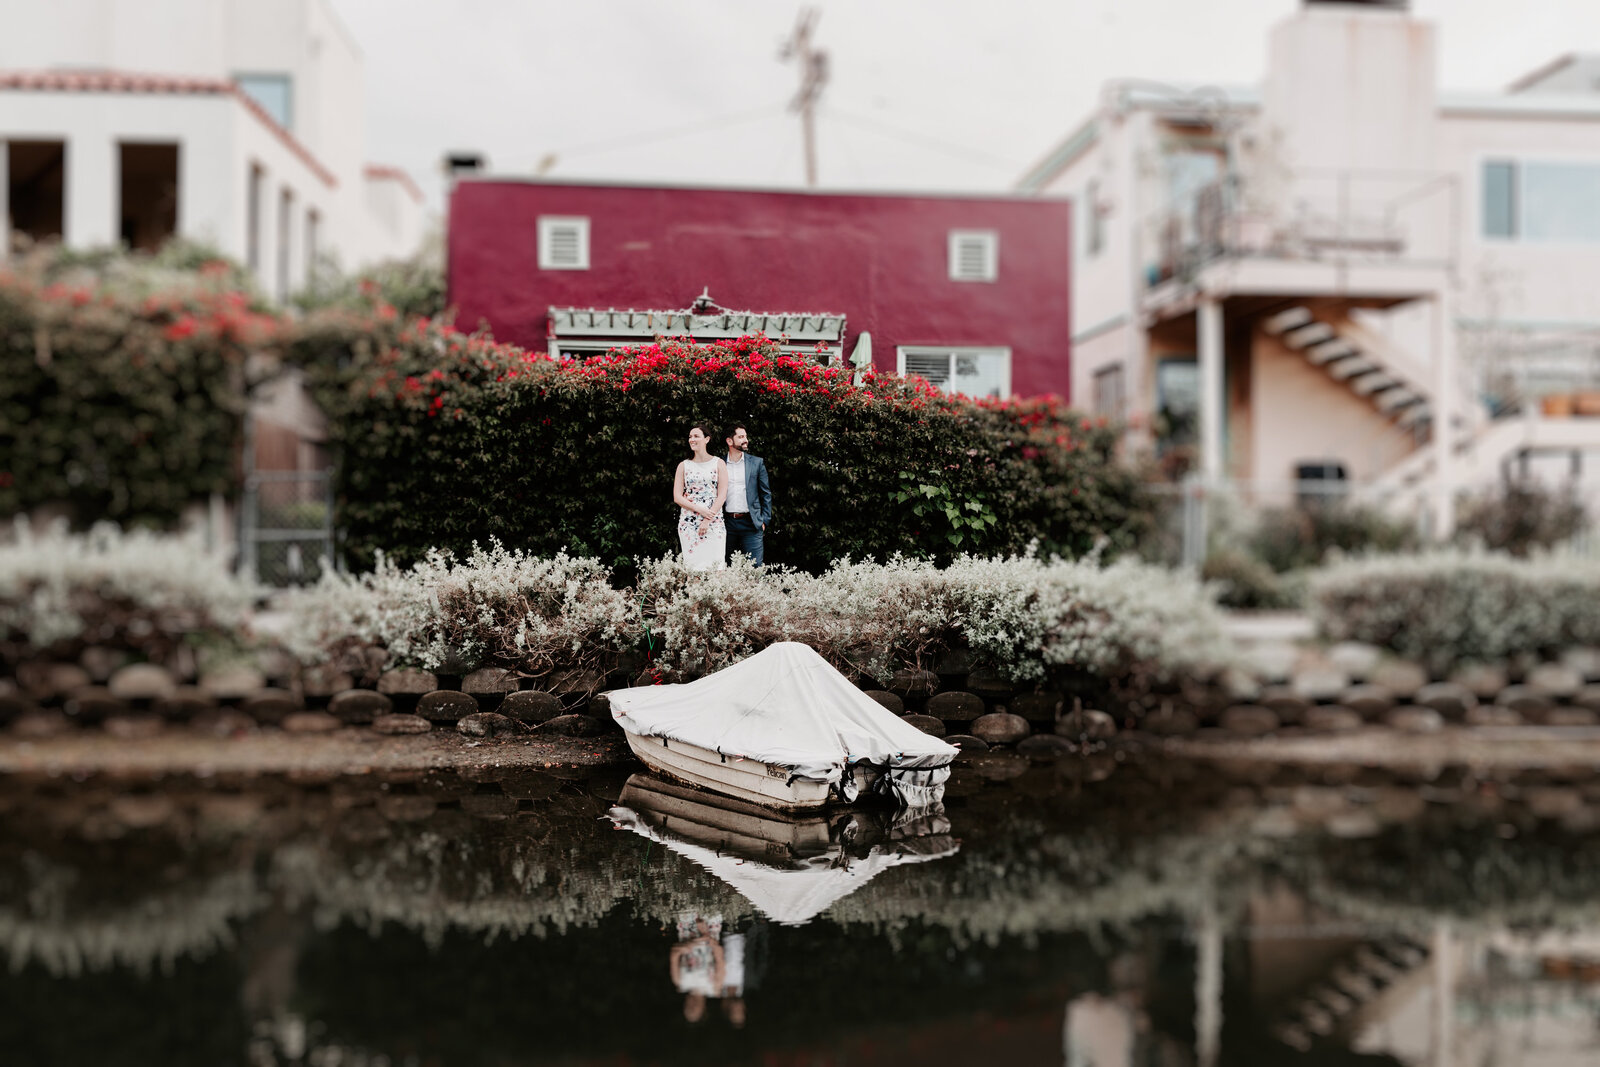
<point>745,536</point>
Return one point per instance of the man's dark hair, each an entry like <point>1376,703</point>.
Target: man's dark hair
<point>733,428</point>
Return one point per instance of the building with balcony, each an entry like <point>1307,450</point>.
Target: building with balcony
<point>1342,273</point>
<point>240,123</point>
<point>968,292</point>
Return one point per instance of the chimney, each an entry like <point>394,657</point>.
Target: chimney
<point>1350,87</point>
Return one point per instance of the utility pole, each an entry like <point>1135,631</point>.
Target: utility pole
<point>813,76</point>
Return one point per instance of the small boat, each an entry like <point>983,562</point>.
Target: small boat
<point>785,730</point>
<point>792,868</point>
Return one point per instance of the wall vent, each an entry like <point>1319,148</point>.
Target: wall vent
<point>563,243</point>
<point>974,255</point>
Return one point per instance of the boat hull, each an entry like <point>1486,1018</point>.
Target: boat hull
<point>770,785</point>
<point>725,825</point>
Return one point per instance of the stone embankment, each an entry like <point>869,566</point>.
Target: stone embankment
<point>1289,698</point>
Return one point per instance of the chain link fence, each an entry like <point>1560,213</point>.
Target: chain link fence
<point>286,528</point>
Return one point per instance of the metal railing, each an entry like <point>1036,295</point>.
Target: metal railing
<point>286,532</point>
<point>1344,216</point>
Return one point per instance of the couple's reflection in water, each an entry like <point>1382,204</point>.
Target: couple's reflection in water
<point>713,962</point>
<point>790,868</point>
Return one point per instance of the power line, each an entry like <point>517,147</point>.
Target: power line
<point>922,140</point>
<point>655,137</point>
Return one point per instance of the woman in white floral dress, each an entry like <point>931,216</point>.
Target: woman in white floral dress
<point>699,488</point>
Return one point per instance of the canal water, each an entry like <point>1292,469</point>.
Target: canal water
<point>1104,910</point>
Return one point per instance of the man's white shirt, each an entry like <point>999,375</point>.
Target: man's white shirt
<point>738,500</point>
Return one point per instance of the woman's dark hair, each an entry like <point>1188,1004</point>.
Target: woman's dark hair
<point>704,428</point>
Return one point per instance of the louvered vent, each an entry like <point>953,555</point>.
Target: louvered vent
<point>974,255</point>
<point>563,243</point>
<point>936,369</point>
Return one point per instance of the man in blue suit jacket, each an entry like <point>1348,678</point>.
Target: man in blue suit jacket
<point>749,505</point>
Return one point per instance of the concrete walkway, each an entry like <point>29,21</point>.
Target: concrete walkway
<point>1260,627</point>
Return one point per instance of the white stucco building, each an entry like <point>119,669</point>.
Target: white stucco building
<point>241,123</point>
<point>1308,277</point>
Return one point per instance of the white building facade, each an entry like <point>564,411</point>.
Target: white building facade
<point>1305,279</point>
<point>240,123</point>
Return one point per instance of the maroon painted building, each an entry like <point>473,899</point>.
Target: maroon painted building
<point>971,292</point>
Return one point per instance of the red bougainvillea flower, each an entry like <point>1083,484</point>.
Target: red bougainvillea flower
<point>182,327</point>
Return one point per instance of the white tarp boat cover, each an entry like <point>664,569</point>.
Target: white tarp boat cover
<point>797,893</point>
<point>786,705</point>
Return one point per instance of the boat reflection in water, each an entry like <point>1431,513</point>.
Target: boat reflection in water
<point>791,868</point>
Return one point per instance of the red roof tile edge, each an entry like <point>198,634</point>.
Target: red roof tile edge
<point>107,81</point>
<point>384,172</point>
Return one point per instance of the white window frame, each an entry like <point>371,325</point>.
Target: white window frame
<point>953,351</point>
<point>547,224</point>
<point>991,243</point>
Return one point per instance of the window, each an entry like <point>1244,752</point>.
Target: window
<point>1499,199</point>
<point>974,255</point>
<point>1094,234</point>
<point>252,219</point>
<point>1177,405</point>
<point>285,213</point>
<point>1320,481</point>
<point>974,372</point>
<point>274,92</point>
<point>1557,202</point>
<point>1110,391</point>
<point>1188,171</point>
<point>563,242</point>
<point>35,184</point>
<point>148,176</point>
<point>313,223</point>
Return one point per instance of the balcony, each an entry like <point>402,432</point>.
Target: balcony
<point>1384,235</point>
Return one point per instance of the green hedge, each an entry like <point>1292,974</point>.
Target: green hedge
<point>448,439</point>
<point>122,386</point>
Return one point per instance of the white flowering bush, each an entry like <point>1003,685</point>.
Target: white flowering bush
<point>1131,624</point>
<point>137,590</point>
<point>497,607</point>
<point>1452,605</point>
<point>866,619</point>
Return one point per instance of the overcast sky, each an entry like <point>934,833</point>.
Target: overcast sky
<point>924,94</point>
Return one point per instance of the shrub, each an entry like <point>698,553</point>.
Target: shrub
<point>1521,517</point>
<point>1450,605</point>
<point>122,384</point>
<point>496,607</point>
<point>1245,582</point>
<point>1288,539</point>
<point>1131,626</point>
<point>579,454</point>
<point>136,591</point>
<point>413,286</point>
